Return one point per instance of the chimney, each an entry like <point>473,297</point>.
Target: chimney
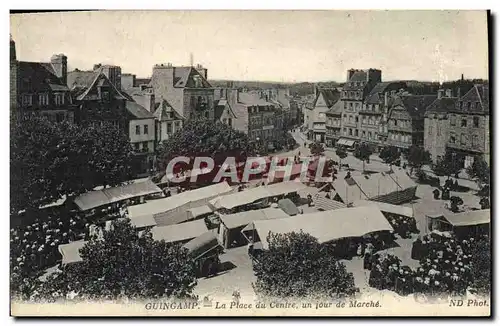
<point>60,64</point>
<point>386,99</point>
<point>462,76</point>
<point>440,93</point>
<point>350,72</point>
<point>97,66</point>
<point>12,50</point>
<point>459,92</point>
<point>448,93</point>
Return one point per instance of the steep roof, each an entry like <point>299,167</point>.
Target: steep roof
<point>222,106</point>
<point>358,76</point>
<point>38,77</point>
<point>138,110</point>
<point>414,104</point>
<point>82,82</point>
<point>165,112</point>
<point>479,93</point>
<point>186,77</point>
<point>442,105</point>
<point>374,96</point>
<point>336,109</point>
<point>252,99</point>
<point>331,96</point>
<point>78,78</point>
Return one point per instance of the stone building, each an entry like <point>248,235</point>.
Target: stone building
<point>437,124</point>
<point>405,120</point>
<point>358,86</point>
<point>334,124</point>
<point>374,111</point>
<point>39,88</point>
<point>325,100</point>
<point>185,88</point>
<point>168,121</point>
<point>469,121</point>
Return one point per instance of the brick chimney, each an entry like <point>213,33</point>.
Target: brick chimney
<point>60,64</point>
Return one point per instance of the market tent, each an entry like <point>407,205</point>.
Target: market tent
<point>173,210</point>
<point>386,208</point>
<point>179,232</point>
<point>251,195</point>
<point>469,218</point>
<point>324,204</point>
<point>196,212</point>
<point>325,226</point>
<point>144,221</point>
<point>202,244</point>
<point>288,206</point>
<point>70,252</point>
<point>294,171</point>
<point>232,224</point>
<point>347,190</point>
<point>341,141</point>
<point>97,198</point>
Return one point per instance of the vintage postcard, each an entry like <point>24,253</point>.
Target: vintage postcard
<point>250,163</point>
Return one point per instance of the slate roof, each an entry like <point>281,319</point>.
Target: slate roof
<point>185,77</point>
<point>416,105</point>
<point>251,99</point>
<point>331,96</point>
<point>336,109</point>
<point>162,112</point>
<point>376,94</point>
<point>478,93</point>
<point>81,82</point>
<point>138,111</point>
<point>442,105</point>
<point>38,77</point>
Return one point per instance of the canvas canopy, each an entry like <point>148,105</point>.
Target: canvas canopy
<point>174,202</point>
<point>288,206</point>
<point>179,232</point>
<point>251,195</point>
<point>233,221</point>
<point>468,218</point>
<point>386,208</point>
<point>325,204</point>
<point>143,221</point>
<point>70,252</point>
<point>97,198</point>
<point>199,211</point>
<point>202,244</point>
<point>325,226</point>
<point>345,142</point>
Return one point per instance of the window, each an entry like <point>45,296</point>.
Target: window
<point>145,146</point>
<point>350,106</point>
<point>452,138</point>
<point>136,146</point>
<point>475,140</point>
<point>221,92</point>
<point>395,122</point>
<point>145,129</point>
<point>230,122</point>
<point>206,114</point>
<point>463,123</point>
<point>59,99</point>
<point>364,120</point>
<point>356,132</point>
<point>369,135</point>
<point>137,130</point>
<point>59,117</point>
<point>363,133</point>
<point>463,139</point>
<point>357,119</point>
<point>27,99</point>
<point>453,120</point>
<point>178,125</point>
<point>345,131</point>
<point>476,122</point>
<point>469,105</point>
<point>350,131</point>
<point>169,128</point>
<point>43,99</point>
<point>105,96</point>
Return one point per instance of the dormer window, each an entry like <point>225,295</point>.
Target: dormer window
<point>197,81</point>
<point>59,99</point>
<point>27,99</point>
<point>105,96</point>
<point>43,99</point>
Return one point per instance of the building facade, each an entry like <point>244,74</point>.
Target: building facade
<point>167,121</point>
<point>405,120</point>
<point>334,124</point>
<point>437,124</point>
<point>186,89</point>
<point>469,122</point>
<point>359,84</point>
<point>39,88</point>
<point>325,100</point>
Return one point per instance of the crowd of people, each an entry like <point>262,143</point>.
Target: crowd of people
<point>404,226</point>
<point>34,247</point>
<point>445,267</point>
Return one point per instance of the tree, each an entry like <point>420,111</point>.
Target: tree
<point>479,171</point>
<point>481,266</point>
<point>126,264</point>
<point>417,157</point>
<point>296,265</point>
<point>316,148</point>
<point>363,153</point>
<point>205,138</point>
<point>447,166</point>
<point>49,160</point>
<point>389,154</point>
<point>342,154</point>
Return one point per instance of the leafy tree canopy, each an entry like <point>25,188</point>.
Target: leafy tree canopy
<point>125,264</point>
<point>389,154</point>
<point>205,138</point>
<point>316,148</point>
<point>447,166</point>
<point>418,157</point>
<point>296,265</point>
<point>479,171</point>
<point>49,160</point>
<point>363,152</point>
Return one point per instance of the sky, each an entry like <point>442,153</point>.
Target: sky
<point>280,46</point>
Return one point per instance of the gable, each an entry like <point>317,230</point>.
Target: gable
<point>100,81</point>
<point>320,101</point>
